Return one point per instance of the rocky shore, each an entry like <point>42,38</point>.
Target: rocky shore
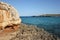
<point>27,32</point>
<point>30,32</point>
<point>11,27</point>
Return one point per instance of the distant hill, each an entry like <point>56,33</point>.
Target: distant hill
<point>44,15</point>
<point>50,15</point>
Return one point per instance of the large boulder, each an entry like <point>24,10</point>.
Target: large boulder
<point>8,16</point>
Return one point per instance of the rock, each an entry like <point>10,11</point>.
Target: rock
<point>8,15</point>
<point>9,21</point>
<point>8,36</point>
<point>28,32</point>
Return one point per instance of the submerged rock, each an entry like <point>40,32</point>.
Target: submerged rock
<point>8,15</point>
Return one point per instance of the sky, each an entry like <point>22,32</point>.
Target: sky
<point>35,7</point>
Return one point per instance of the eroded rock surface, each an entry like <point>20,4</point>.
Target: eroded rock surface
<point>30,32</point>
<point>8,15</point>
<point>8,34</point>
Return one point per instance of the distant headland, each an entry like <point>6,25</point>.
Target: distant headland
<point>48,15</point>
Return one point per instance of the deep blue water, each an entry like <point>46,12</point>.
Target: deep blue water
<point>50,24</point>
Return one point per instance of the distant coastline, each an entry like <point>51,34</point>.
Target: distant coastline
<point>43,15</point>
<point>48,15</point>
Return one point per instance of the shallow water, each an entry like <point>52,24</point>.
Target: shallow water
<point>50,24</point>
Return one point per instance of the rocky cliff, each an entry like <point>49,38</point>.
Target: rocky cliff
<point>8,16</point>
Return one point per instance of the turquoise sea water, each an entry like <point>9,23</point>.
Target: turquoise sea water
<point>50,24</point>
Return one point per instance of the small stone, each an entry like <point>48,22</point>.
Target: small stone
<point>15,27</point>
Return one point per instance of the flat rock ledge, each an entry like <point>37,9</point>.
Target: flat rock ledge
<point>29,32</point>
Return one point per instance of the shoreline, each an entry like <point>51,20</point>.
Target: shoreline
<point>31,32</point>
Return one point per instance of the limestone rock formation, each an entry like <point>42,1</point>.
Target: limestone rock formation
<point>30,32</point>
<point>8,16</point>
